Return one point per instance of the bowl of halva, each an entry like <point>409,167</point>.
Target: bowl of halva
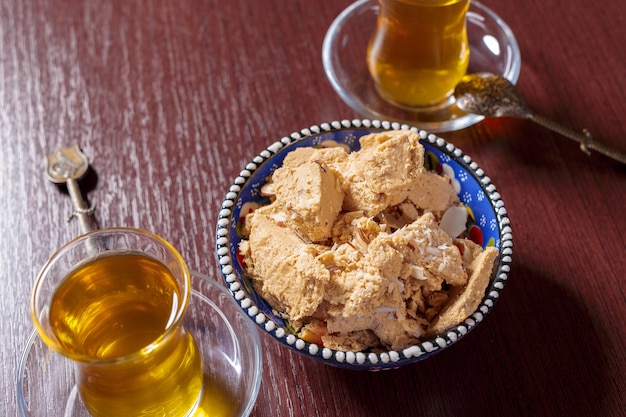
<point>364,244</point>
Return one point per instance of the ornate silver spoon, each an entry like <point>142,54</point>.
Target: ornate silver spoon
<point>68,165</point>
<point>495,96</point>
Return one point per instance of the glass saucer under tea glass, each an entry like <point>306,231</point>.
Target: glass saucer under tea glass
<point>493,48</point>
<point>229,343</point>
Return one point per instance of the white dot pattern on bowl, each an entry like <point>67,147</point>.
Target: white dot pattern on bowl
<point>367,360</point>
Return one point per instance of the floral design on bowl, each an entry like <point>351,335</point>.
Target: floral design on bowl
<point>488,225</point>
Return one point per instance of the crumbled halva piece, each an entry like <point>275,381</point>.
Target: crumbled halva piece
<point>433,192</point>
<point>309,197</point>
<point>331,156</point>
<point>382,172</point>
<point>430,193</point>
<point>433,253</point>
<point>293,280</point>
<point>465,299</point>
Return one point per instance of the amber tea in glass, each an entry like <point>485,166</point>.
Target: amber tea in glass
<point>113,301</point>
<point>418,51</point>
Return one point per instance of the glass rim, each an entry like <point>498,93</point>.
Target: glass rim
<point>173,324</point>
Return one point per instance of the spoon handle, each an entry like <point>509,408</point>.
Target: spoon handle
<point>584,138</point>
<point>81,210</point>
<point>68,165</point>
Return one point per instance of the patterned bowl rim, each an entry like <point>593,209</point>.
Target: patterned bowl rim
<point>364,360</point>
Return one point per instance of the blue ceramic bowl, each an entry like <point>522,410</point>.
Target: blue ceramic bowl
<point>488,225</point>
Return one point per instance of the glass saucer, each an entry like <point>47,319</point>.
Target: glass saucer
<point>229,344</point>
<point>493,48</point>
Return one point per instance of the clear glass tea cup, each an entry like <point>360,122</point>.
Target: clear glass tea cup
<point>419,51</point>
<point>113,301</point>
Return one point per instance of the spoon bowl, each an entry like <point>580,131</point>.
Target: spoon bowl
<point>489,95</point>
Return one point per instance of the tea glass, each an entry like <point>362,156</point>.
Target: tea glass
<point>492,44</point>
<point>419,51</point>
<point>113,301</point>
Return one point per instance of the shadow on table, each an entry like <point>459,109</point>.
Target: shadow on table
<point>537,353</point>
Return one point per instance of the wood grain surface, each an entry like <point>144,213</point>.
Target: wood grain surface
<point>170,99</point>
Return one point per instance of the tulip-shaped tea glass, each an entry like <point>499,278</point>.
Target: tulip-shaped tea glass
<point>419,51</point>
<point>113,301</point>
<point>399,60</point>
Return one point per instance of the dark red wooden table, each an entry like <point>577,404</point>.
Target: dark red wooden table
<point>170,99</point>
